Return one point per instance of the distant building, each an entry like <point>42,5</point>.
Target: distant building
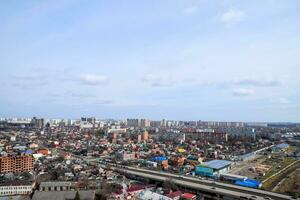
<point>163,123</point>
<point>145,123</point>
<point>145,135</point>
<point>132,122</point>
<point>16,164</point>
<point>155,124</point>
<point>90,120</point>
<point>217,137</point>
<point>37,122</point>
<point>116,130</point>
<point>219,124</point>
<point>280,147</point>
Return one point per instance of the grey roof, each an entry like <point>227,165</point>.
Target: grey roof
<point>248,155</point>
<point>63,195</point>
<point>55,183</point>
<point>282,145</point>
<point>218,164</point>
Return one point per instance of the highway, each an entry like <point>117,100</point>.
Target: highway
<point>220,188</point>
<point>210,186</point>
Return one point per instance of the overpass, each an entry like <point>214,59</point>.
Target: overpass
<point>207,189</point>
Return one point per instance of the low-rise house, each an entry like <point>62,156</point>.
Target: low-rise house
<point>148,194</point>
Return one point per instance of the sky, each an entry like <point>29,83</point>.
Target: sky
<point>226,60</point>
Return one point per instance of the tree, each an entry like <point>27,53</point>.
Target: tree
<point>170,185</point>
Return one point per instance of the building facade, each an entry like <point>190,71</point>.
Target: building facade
<point>16,188</point>
<point>16,164</point>
<point>217,137</point>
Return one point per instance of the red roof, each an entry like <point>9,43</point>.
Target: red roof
<point>188,196</point>
<point>174,194</point>
<point>134,188</point>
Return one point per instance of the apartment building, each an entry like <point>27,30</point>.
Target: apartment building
<point>207,136</point>
<point>16,188</point>
<point>16,164</point>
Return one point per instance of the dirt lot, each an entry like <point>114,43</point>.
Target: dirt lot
<point>278,161</point>
<point>243,168</point>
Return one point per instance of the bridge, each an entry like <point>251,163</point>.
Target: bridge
<point>206,189</point>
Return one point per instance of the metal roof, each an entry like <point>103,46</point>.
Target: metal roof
<point>218,164</point>
<point>55,183</point>
<point>282,145</point>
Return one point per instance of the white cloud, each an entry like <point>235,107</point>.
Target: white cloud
<point>158,81</point>
<point>90,79</point>
<point>243,92</point>
<point>232,16</point>
<point>262,82</point>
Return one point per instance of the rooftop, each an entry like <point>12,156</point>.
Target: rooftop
<point>63,195</point>
<point>55,183</point>
<point>147,194</point>
<point>218,164</point>
<point>282,145</point>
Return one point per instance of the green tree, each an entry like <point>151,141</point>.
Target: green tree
<point>170,185</point>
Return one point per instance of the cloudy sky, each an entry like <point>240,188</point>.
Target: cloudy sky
<point>175,59</point>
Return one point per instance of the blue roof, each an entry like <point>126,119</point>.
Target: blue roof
<point>282,145</point>
<point>29,151</point>
<point>218,164</point>
<point>159,158</point>
<point>249,183</point>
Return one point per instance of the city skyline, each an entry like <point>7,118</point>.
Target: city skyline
<point>183,60</point>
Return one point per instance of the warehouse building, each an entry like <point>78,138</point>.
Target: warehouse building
<point>213,168</point>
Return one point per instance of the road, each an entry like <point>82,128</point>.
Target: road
<point>196,183</point>
<point>202,185</point>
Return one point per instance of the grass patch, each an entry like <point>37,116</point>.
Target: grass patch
<point>291,185</point>
<point>272,182</point>
<point>277,165</point>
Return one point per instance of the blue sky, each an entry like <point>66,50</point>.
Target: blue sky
<point>175,59</point>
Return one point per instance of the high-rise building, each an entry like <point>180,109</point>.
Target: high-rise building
<point>145,123</point>
<point>210,136</point>
<point>163,123</point>
<point>37,122</point>
<point>16,164</point>
<point>133,122</point>
<point>90,120</point>
<point>155,124</point>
